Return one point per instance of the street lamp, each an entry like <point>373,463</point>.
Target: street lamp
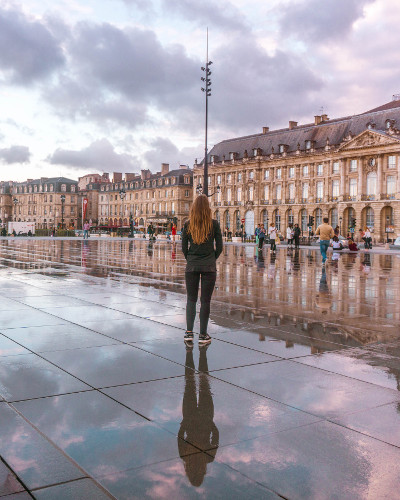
<point>207,90</point>
<point>122,194</point>
<point>15,201</point>
<point>62,210</point>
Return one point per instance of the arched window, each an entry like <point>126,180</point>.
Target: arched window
<point>318,217</point>
<point>369,217</point>
<point>351,215</point>
<point>371,184</point>
<point>217,216</point>
<point>303,220</point>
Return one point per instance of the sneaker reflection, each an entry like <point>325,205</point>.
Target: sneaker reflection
<point>197,426</point>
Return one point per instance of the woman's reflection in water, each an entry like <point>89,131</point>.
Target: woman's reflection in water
<point>197,426</point>
<point>323,299</point>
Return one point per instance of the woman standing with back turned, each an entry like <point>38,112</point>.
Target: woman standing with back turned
<point>198,237</point>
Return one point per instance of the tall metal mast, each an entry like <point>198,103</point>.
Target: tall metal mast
<point>207,90</point>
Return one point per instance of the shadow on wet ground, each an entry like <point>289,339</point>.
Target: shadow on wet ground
<point>296,397</point>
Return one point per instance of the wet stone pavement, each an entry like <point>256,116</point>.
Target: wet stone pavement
<point>296,397</point>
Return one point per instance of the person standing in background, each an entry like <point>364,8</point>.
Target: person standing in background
<point>272,236</point>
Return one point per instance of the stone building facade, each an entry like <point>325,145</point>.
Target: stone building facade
<point>89,187</point>
<point>162,198</point>
<point>40,201</point>
<point>6,204</point>
<point>347,169</point>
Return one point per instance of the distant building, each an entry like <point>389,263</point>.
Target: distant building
<point>346,169</point>
<point>40,201</point>
<point>162,198</point>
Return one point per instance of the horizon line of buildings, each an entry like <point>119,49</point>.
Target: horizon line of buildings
<point>346,169</point>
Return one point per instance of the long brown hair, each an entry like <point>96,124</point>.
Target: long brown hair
<point>200,222</point>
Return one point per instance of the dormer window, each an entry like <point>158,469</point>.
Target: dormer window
<point>232,156</point>
<point>282,148</point>
<point>255,152</point>
<point>63,188</point>
<point>370,125</point>
<point>72,189</point>
<point>388,124</point>
<point>308,145</point>
<point>214,158</point>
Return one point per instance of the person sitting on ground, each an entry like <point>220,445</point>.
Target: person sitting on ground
<point>336,245</point>
<point>353,246</point>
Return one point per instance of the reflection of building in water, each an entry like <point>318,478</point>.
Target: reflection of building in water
<point>363,289</point>
<point>197,426</point>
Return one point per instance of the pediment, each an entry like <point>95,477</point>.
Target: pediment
<point>369,139</point>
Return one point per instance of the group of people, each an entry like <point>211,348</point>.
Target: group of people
<point>292,235</point>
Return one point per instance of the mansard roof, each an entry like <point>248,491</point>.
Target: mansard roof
<point>335,131</point>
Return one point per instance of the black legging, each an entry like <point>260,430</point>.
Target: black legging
<point>192,289</point>
<point>260,242</point>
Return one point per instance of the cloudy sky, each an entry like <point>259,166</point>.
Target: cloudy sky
<point>114,85</point>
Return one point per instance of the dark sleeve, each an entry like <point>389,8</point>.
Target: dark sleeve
<point>185,241</point>
<point>218,239</point>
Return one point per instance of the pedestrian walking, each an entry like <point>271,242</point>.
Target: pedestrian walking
<point>272,236</point>
<point>296,236</point>
<point>368,238</point>
<point>289,235</point>
<point>86,228</point>
<point>201,246</point>
<point>261,236</point>
<point>257,232</point>
<point>325,233</point>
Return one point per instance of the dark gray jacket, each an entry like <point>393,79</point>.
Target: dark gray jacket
<point>202,257</point>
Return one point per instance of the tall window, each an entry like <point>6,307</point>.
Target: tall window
<point>229,178</point>
<point>335,188</point>
<point>237,220</point>
<point>239,177</point>
<point>279,192</point>
<point>391,162</point>
<point>291,191</point>
<point>305,170</point>
<point>369,218</point>
<point>390,184</point>
<point>353,165</point>
<point>320,190</point>
<point>251,193</point>
<point>304,194</point>
<point>320,170</point>
<point>371,184</point>
<point>251,174</point>
<point>290,217</point>
<point>266,192</point>
<point>335,167</point>
<point>264,218</point>
<point>303,220</point>
<point>277,220</point>
<point>278,173</point>
<point>318,217</point>
<point>229,194</point>
<point>353,187</point>
<point>266,174</point>
<point>217,217</point>
<point>218,179</point>
<point>291,172</point>
<point>227,220</point>
<point>239,194</point>
<point>334,217</point>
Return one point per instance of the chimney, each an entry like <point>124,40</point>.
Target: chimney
<point>129,177</point>
<point>324,118</point>
<point>292,125</point>
<point>183,167</point>
<point>117,176</point>
<point>105,177</point>
<point>145,174</point>
<point>317,119</point>
<point>265,130</point>
<point>164,168</point>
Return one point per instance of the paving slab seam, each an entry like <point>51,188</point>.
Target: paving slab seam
<point>91,478</point>
<point>2,459</point>
<point>295,360</point>
<point>60,450</point>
